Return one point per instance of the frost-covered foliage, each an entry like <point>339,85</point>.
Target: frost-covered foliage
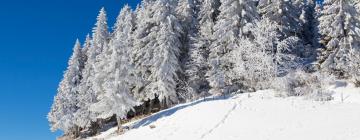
<point>284,13</point>
<point>199,41</point>
<point>300,83</point>
<point>116,98</point>
<point>287,54</point>
<point>254,60</point>
<point>62,111</point>
<point>234,21</point>
<point>156,51</point>
<point>340,35</point>
<point>293,19</point>
<point>87,88</point>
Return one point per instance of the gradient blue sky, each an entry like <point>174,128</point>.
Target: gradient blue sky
<point>36,40</point>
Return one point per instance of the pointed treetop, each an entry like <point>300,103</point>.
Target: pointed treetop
<point>100,34</point>
<point>101,18</point>
<point>77,46</point>
<point>124,23</point>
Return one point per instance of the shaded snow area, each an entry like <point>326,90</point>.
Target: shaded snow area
<point>253,116</point>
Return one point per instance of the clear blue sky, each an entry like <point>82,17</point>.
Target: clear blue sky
<point>36,40</point>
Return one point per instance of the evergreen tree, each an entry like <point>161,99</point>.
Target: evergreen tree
<point>286,14</point>
<point>116,98</point>
<point>341,38</point>
<point>87,90</point>
<point>234,21</point>
<point>101,38</point>
<point>156,50</point>
<point>141,53</point>
<point>62,111</point>
<point>199,39</point>
<point>190,54</point>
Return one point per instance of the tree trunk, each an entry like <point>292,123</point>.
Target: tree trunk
<point>163,104</point>
<point>77,131</point>
<point>119,125</point>
<point>143,106</point>
<point>150,107</point>
<point>100,126</point>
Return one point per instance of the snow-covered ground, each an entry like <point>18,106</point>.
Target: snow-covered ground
<point>253,116</point>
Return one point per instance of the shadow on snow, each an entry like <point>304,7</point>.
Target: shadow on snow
<point>168,112</point>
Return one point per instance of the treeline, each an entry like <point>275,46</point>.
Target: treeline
<point>170,51</point>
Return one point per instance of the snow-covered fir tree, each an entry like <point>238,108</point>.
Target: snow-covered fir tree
<point>156,50</point>
<point>234,21</point>
<point>286,14</point>
<point>204,17</point>
<point>87,93</point>
<point>165,69</point>
<point>101,38</point>
<point>62,111</point>
<point>116,98</point>
<point>340,35</point>
<point>185,12</point>
<point>140,52</point>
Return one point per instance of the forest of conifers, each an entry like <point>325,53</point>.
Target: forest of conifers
<point>165,52</point>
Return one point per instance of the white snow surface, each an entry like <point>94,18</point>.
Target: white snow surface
<point>253,116</point>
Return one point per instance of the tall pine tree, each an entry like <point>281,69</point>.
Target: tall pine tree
<point>87,93</point>
<point>235,19</point>
<point>62,111</point>
<point>116,99</point>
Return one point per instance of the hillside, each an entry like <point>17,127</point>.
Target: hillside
<point>166,52</point>
<point>253,116</point>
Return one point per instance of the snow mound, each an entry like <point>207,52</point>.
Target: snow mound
<point>253,116</point>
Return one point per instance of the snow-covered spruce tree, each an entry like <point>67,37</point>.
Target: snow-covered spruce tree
<point>166,64</point>
<point>61,115</point>
<point>287,17</point>
<point>87,95</point>
<point>142,51</point>
<point>116,98</point>
<point>254,59</point>
<point>340,29</point>
<point>202,19</point>
<point>156,51</point>
<point>191,54</point>
<point>234,21</point>
<point>101,39</point>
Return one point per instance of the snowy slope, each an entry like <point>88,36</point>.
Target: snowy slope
<point>253,116</point>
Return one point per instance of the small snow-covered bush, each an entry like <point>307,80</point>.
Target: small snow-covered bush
<point>300,83</point>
